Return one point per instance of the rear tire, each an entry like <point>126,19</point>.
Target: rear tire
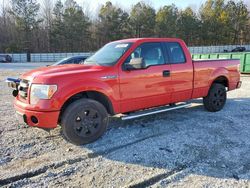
<point>216,98</point>
<point>84,121</point>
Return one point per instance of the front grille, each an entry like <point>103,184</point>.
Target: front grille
<point>23,88</point>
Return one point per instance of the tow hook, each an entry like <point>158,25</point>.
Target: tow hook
<point>13,83</point>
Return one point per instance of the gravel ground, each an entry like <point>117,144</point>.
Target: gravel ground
<point>183,148</point>
<point>23,66</point>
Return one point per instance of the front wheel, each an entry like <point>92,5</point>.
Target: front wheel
<point>84,121</point>
<point>216,98</point>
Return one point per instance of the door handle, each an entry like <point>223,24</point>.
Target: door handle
<point>166,73</point>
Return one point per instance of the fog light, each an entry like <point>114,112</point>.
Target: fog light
<point>34,119</point>
<point>15,93</point>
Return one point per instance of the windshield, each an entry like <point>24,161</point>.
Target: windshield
<point>109,54</point>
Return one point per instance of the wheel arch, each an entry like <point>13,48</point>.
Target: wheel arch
<point>221,80</point>
<point>219,75</point>
<point>90,94</point>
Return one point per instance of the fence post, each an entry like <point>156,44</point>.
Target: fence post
<point>244,62</point>
<point>28,56</point>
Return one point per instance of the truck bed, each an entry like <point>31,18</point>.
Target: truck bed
<point>204,69</point>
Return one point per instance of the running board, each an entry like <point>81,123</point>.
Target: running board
<point>155,111</point>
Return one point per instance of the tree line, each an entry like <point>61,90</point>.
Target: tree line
<point>26,26</point>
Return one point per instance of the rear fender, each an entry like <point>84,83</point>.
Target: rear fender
<point>219,72</point>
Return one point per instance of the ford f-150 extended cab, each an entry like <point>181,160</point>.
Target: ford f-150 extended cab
<point>132,77</point>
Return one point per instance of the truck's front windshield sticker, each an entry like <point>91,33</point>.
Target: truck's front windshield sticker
<point>121,46</point>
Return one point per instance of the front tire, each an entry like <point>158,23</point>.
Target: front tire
<point>84,121</point>
<point>216,98</point>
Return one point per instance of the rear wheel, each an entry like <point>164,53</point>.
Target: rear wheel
<point>216,98</point>
<point>84,121</point>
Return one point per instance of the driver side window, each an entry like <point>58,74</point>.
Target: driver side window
<point>151,54</point>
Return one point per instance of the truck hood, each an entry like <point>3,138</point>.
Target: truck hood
<point>59,70</point>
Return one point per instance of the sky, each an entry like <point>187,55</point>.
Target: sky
<point>92,6</point>
<point>155,3</point>
<point>126,4</point>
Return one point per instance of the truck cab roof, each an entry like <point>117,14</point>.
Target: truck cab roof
<point>148,40</point>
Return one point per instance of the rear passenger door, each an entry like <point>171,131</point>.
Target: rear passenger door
<point>181,72</point>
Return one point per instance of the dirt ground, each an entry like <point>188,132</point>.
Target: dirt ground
<point>184,148</point>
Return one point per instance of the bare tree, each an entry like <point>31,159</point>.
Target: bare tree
<point>47,12</point>
<point>4,25</point>
<point>65,26</point>
<point>3,12</point>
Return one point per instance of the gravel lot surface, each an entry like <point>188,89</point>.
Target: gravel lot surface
<point>183,148</point>
<point>23,66</point>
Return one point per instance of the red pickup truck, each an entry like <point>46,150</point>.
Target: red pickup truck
<point>132,77</point>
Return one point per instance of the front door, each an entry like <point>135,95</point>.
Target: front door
<point>149,86</point>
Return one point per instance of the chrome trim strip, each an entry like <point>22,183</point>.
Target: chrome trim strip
<point>19,113</point>
<point>109,77</point>
<point>25,85</point>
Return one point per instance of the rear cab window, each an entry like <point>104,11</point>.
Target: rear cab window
<point>175,52</point>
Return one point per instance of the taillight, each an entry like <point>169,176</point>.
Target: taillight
<point>238,67</point>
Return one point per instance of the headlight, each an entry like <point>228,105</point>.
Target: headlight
<point>39,91</point>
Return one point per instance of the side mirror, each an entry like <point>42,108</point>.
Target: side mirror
<point>135,63</point>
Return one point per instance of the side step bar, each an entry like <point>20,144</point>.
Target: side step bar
<point>155,111</point>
